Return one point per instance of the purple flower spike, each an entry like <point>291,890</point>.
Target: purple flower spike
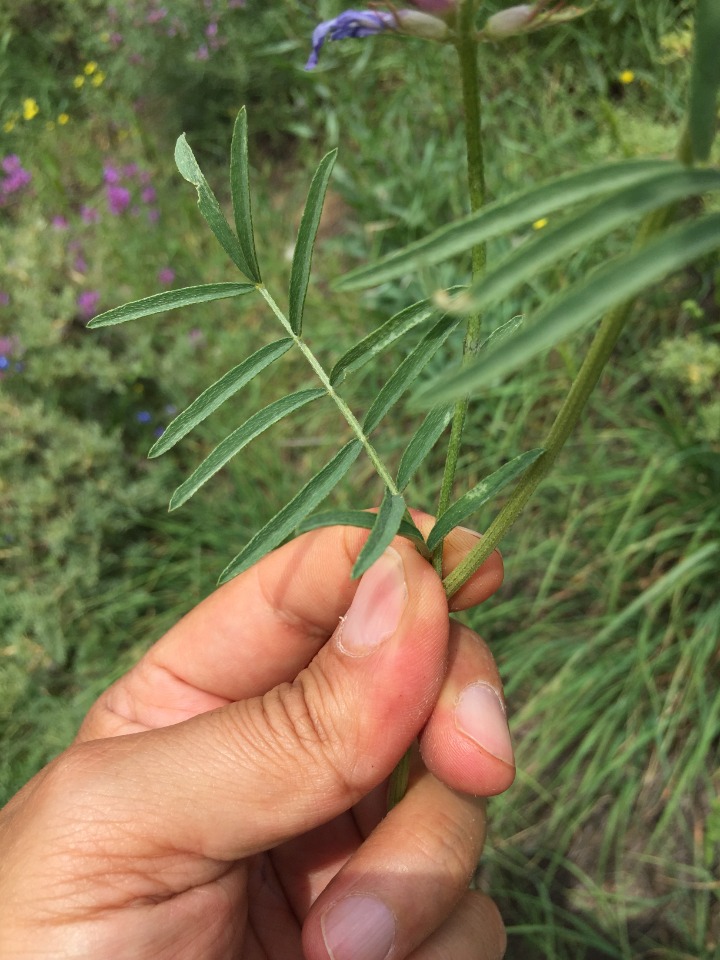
<point>351,23</point>
<point>118,199</point>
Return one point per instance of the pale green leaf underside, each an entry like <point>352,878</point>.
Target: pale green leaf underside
<point>422,443</point>
<point>704,78</point>
<point>217,393</point>
<point>360,518</point>
<point>613,284</point>
<point>502,217</point>
<point>240,191</point>
<point>240,438</point>
<point>408,371</point>
<point>302,258</point>
<point>386,526</point>
<point>480,494</point>
<point>287,519</point>
<point>381,338</point>
<point>170,300</point>
<point>576,234</point>
<point>209,206</point>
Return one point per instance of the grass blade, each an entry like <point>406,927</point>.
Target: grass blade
<point>287,519</point>
<point>386,526</point>
<point>607,287</point>
<point>422,443</point>
<point>575,234</point>
<point>169,300</point>
<point>406,374</point>
<point>240,190</point>
<point>501,217</point>
<point>704,78</point>
<point>383,336</point>
<point>302,258</point>
<point>208,204</point>
<point>361,518</point>
<point>480,494</point>
<point>240,438</point>
<point>217,393</point>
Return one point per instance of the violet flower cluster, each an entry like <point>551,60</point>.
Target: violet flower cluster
<point>15,178</point>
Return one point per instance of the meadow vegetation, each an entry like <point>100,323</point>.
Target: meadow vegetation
<point>608,627</point>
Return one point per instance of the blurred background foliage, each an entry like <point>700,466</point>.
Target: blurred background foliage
<point>607,628</point>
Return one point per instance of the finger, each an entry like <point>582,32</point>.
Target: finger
<point>256,631</point>
<point>296,757</point>
<point>474,931</point>
<point>424,852</point>
<point>466,742</point>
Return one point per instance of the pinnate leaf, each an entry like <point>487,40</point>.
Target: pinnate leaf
<point>361,518</point>
<point>611,285</point>
<point>239,438</point>
<point>302,258</point>
<point>240,190</point>
<point>287,519</point>
<point>217,393</point>
<point>422,443</point>
<point>170,300</point>
<point>480,494</point>
<point>386,526</point>
<point>209,206</point>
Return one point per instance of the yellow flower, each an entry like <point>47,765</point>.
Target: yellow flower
<point>539,224</point>
<point>98,78</point>
<point>30,108</point>
<point>105,36</point>
<point>90,68</point>
<point>626,76</point>
<point>63,118</point>
<point>78,82</point>
<point>694,372</point>
<point>8,126</point>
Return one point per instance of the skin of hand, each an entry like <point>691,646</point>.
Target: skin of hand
<point>226,798</point>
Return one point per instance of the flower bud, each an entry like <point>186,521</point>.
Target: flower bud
<point>421,25</point>
<point>508,22</point>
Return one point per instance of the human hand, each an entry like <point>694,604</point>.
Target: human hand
<point>225,798</point>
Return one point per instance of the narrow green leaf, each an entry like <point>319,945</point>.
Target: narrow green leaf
<point>501,217</point>
<point>422,443</point>
<point>575,234</point>
<point>217,393</point>
<point>613,284</point>
<point>499,334</point>
<point>302,258</point>
<point>386,526</point>
<point>704,78</point>
<point>383,336</point>
<point>480,494</point>
<point>407,372</point>
<point>240,190</point>
<point>208,204</point>
<point>240,438</point>
<point>169,300</point>
<point>287,519</point>
<point>361,518</point>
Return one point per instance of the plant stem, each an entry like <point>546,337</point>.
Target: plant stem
<point>592,367</point>
<point>344,409</point>
<point>467,49</point>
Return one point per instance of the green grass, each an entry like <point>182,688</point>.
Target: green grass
<point>607,629</point>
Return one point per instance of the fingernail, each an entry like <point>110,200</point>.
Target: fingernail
<point>358,928</point>
<point>480,715</point>
<point>377,607</point>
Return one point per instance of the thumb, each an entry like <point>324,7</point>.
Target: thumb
<point>241,779</point>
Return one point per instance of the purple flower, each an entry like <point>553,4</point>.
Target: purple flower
<point>11,163</point>
<point>148,195</point>
<point>111,174</point>
<point>143,416</point>
<point>131,170</point>
<point>202,52</point>
<point>89,214</point>
<point>80,264</point>
<point>166,276</point>
<point>211,29</point>
<point>59,223</point>
<point>87,301</point>
<point>4,298</point>
<point>351,23</point>
<point>118,199</point>
<point>155,16</point>
<point>153,215</point>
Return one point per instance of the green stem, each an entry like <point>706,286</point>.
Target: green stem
<point>566,419</point>
<point>467,49</point>
<point>344,409</point>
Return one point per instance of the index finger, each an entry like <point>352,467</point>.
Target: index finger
<point>258,630</point>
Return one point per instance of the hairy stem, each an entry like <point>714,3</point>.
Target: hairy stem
<point>344,409</point>
<point>467,49</point>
